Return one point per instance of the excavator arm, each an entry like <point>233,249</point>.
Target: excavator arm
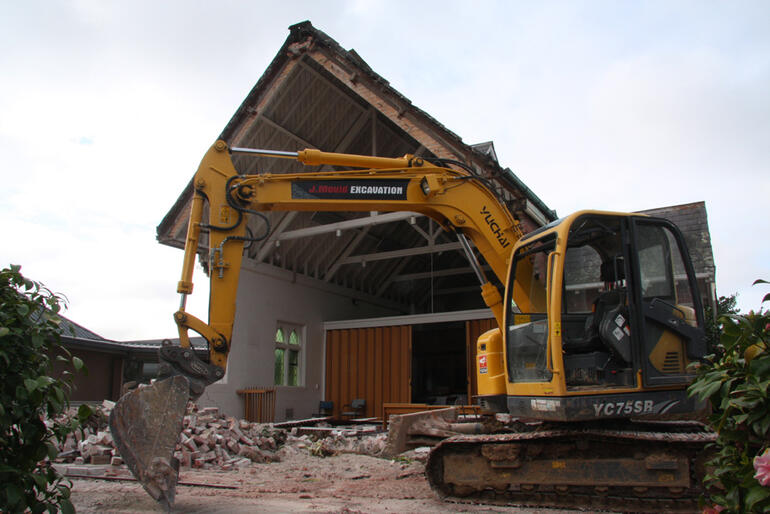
<point>146,422</point>
<point>459,201</point>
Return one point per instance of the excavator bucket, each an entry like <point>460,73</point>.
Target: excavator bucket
<point>145,425</point>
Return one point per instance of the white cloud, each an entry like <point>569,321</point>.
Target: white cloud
<point>109,106</point>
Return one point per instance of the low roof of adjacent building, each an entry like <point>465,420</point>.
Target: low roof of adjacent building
<point>77,336</point>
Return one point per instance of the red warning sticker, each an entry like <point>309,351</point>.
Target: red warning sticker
<point>482,363</point>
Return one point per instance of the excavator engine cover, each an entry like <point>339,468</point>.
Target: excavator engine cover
<point>145,426</point>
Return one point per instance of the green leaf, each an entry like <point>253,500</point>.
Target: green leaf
<point>37,340</point>
<point>40,481</point>
<point>4,331</point>
<point>710,389</point>
<point>5,468</point>
<point>44,381</point>
<point>754,495</point>
<point>766,298</point>
<point>84,412</point>
<point>30,384</point>
<point>761,428</point>
<point>51,449</point>
<point>760,281</point>
<point>740,418</point>
<point>760,367</point>
<point>13,493</point>
<point>77,362</point>
<point>67,507</point>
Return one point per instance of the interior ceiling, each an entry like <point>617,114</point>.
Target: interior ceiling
<point>409,261</point>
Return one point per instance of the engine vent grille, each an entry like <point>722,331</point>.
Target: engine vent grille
<point>672,363</point>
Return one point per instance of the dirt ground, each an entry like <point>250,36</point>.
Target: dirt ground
<point>345,483</point>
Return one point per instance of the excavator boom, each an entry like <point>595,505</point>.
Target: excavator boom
<point>146,420</point>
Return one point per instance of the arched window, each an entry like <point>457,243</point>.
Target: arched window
<point>288,355</point>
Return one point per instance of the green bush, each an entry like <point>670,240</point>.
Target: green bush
<point>724,305</point>
<point>736,379</point>
<point>30,399</point>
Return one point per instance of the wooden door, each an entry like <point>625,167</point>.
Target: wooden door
<point>369,363</point>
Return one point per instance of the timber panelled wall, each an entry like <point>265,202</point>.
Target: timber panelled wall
<point>375,364</point>
<point>369,363</point>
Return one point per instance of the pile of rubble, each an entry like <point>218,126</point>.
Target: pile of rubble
<point>210,440</point>
<point>213,440</point>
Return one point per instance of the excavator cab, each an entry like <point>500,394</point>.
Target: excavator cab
<point>603,317</point>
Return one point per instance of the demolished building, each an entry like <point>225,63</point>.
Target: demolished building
<point>354,310</point>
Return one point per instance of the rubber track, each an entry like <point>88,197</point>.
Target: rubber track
<point>690,436</point>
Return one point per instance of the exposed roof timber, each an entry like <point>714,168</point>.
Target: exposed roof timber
<point>295,77</point>
<point>508,175</point>
<point>410,319</point>
<point>373,116</point>
<point>274,271</point>
<point>535,213</point>
<point>394,107</point>
<point>323,257</point>
<point>380,272</point>
<point>432,292</point>
<point>347,225</point>
<point>286,131</point>
<point>400,265</point>
<point>268,245</point>
<point>297,252</point>
<point>339,262</point>
<point>325,80</point>
<point>430,238</point>
<point>353,132</point>
<point>455,290</point>
<point>397,254</point>
<point>438,273</point>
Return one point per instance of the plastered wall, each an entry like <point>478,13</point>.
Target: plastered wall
<point>267,295</point>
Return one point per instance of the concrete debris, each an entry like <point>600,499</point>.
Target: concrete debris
<point>211,440</point>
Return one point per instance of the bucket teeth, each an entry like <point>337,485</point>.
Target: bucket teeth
<point>145,426</point>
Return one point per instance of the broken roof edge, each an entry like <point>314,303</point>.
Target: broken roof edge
<point>509,175</point>
<point>165,225</point>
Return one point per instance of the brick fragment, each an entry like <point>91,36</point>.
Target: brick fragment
<point>210,411</point>
<point>100,459</point>
<point>189,443</point>
<point>233,446</point>
<point>252,453</point>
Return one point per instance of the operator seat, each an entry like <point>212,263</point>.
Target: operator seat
<point>598,330</point>
<point>611,315</point>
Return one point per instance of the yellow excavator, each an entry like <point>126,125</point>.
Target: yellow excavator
<point>598,321</point>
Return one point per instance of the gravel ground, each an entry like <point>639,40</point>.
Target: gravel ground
<point>300,483</point>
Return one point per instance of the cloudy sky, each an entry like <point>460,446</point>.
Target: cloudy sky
<point>106,108</point>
